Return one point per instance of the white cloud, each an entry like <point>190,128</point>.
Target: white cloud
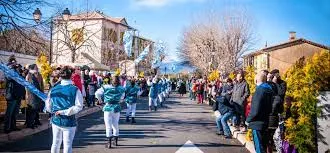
<point>159,3</point>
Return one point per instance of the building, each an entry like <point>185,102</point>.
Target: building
<point>284,55</point>
<point>92,39</point>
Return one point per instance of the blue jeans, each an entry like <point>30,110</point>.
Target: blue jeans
<point>222,124</point>
<point>91,100</point>
<point>260,141</point>
<point>190,94</point>
<point>10,116</point>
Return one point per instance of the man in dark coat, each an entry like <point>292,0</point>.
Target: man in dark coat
<point>258,117</point>
<point>14,94</point>
<point>281,84</point>
<point>240,94</point>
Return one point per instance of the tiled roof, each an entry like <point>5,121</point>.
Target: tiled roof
<point>286,44</point>
<point>97,15</point>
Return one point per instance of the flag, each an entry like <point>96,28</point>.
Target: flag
<point>20,80</point>
<point>160,49</point>
<point>143,55</point>
<point>128,42</point>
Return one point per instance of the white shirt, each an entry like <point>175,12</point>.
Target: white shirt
<point>72,110</point>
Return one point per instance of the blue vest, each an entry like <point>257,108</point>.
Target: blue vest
<point>63,97</point>
<point>131,94</point>
<point>159,87</point>
<point>111,98</point>
<point>153,93</point>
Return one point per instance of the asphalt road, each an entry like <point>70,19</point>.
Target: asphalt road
<point>165,131</point>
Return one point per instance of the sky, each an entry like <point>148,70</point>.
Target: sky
<point>165,19</point>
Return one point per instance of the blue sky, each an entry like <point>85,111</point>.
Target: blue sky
<point>165,19</point>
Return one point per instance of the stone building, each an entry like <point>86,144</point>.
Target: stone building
<point>92,39</point>
<point>284,55</point>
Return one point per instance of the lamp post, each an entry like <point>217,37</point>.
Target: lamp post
<point>37,17</point>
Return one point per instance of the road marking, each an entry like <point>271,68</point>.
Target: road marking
<point>189,147</point>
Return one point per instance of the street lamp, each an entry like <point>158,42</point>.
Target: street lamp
<point>66,14</point>
<point>37,17</point>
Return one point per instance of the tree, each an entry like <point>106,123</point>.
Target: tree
<point>18,30</point>
<point>14,41</point>
<point>217,41</point>
<point>304,80</point>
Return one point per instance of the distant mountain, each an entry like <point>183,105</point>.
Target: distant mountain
<point>174,67</point>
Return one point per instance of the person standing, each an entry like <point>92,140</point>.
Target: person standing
<point>132,91</point>
<point>200,91</point>
<point>14,93</point>
<point>87,80</point>
<point>92,86</point>
<point>281,84</point>
<point>113,94</point>
<point>182,88</point>
<point>277,109</point>
<point>34,103</point>
<point>160,92</point>
<point>240,94</point>
<point>153,93</point>
<point>63,102</point>
<point>258,117</point>
<point>76,78</point>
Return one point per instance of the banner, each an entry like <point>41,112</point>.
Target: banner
<point>20,80</point>
<point>143,55</point>
<point>160,49</point>
<point>128,42</point>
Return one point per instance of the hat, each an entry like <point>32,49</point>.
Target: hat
<point>275,71</point>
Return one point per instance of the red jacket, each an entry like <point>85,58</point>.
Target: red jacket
<point>76,80</point>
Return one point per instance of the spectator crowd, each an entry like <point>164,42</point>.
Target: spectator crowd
<point>233,103</point>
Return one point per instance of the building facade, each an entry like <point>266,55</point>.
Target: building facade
<point>284,55</point>
<point>92,39</point>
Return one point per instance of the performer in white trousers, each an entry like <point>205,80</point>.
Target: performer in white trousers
<point>153,93</point>
<point>113,94</point>
<point>132,91</point>
<point>64,101</point>
<point>160,92</point>
<point>169,87</point>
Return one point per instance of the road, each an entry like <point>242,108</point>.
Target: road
<point>165,131</point>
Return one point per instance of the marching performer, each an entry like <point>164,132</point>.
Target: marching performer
<point>169,88</point>
<point>64,101</point>
<point>113,94</point>
<point>153,93</point>
<point>132,91</point>
<point>160,92</point>
<point>164,89</point>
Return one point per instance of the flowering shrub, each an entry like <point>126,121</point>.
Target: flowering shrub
<point>214,75</point>
<point>304,80</point>
<point>45,68</point>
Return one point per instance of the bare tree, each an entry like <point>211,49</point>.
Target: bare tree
<point>218,41</point>
<point>13,41</point>
<point>18,30</point>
